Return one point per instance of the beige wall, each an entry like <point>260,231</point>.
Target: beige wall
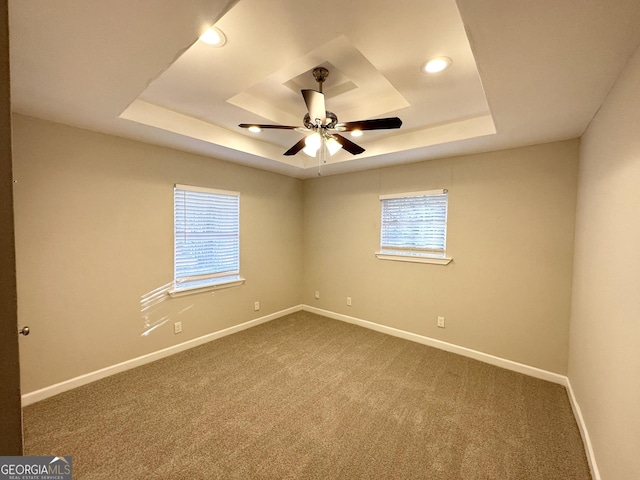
<point>604,362</point>
<point>510,232</point>
<point>94,223</point>
<point>94,233</point>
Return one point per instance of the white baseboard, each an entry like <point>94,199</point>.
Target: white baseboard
<point>586,440</point>
<point>483,357</point>
<point>37,395</point>
<point>449,347</point>
<point>50,391</point>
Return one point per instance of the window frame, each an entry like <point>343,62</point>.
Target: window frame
<point>212,280</point>
<point>408,253</point>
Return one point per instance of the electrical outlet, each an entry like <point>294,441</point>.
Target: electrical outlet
<point>317,294</point>
<point>349,301</point>
<point>441,322</point>
<point>177,327</point>
<point>256,306</point>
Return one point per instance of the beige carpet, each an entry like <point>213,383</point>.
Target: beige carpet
<point>306,397</point>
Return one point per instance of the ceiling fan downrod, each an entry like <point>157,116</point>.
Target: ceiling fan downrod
<point>320,74</point>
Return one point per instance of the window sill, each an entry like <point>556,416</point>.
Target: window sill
<point>414,258</point>
<point>207,288</point>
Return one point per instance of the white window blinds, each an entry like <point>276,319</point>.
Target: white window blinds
<point>414,224</point>
<point>206,236</point>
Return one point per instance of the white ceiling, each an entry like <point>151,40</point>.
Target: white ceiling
<point>523,72</point>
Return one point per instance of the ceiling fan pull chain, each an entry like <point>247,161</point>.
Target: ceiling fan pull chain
<point>322,155</point>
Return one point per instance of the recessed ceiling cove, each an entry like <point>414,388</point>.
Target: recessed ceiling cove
<point>373,53</point>
<point>354,87</point>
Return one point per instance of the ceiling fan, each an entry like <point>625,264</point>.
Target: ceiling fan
<point>321,125</point>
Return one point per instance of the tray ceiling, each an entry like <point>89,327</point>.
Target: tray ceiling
<point>521,73</point>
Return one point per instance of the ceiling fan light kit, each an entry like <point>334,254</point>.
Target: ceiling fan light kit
<point>322,126</point>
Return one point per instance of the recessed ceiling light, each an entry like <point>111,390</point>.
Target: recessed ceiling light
<point>356,133</point>
<point>254,129</point>
<point>213,36</point>
<point>436,64</point>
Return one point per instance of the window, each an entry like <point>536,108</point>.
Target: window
<point>206,238</point>
<point>414,227</point>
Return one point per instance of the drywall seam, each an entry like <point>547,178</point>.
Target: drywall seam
<point>50,391</point>
<point>449,347</point>
<point>586,440</point>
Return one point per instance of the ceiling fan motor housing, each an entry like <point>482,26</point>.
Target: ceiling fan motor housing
<point>331,121</point>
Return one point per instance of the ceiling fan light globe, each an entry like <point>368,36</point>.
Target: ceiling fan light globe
<point>313,141</point>
<point>310,151</point>
<point>333,146</point>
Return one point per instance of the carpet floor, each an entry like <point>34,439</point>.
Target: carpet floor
<point>307,397</point>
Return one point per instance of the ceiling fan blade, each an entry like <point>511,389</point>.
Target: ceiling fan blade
<point>315,104</point>
<point>278,127</point>
<point>348,145</point>
<point>376,124</point>
<point>296,148</point>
